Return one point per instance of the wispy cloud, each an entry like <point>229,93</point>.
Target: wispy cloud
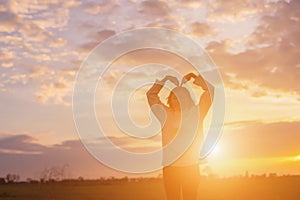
<point>22,154</point>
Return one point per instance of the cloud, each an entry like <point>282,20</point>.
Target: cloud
<point>53,87</point>
<point>95,8</point>
<point>59,42</point>
<point>30,164</point>
<point>42,34</point>
<point>20,144</point>
<point>46,14</point>
<point>7,64</point>
<point>271,53</point>
<point>30,31</point>
<point>260,93</point>
<point>57,92</point>
<point>154,7</point>
<point>27,36</point>
<point>228,10</point>
<point>6,54</point>
<point>254,139</point>
<point>32,26</point>
<point>191,3</point>
<point>96,38</point>
<point>280,30</point>
<point>21,154</point>
<point>201,29</point>
<point>32,39</point>
<point>8,21</point>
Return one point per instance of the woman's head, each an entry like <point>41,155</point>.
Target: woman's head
<point>179,98</point>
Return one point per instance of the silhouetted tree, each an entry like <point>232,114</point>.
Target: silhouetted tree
<point>11,178</point>
<point>56,173</point>
<point>2,181</point>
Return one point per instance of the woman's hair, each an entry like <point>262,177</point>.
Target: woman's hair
<point>183,96</point>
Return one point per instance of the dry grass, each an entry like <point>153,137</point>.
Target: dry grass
<point>287,188</point>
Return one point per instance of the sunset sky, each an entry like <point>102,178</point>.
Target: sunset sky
<point>254,44</point>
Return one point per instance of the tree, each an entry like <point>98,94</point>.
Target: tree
<point>2,181</point>
<point>56,173</point>
<point>11,178</point>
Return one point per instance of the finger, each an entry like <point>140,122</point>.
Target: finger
<point>186,78</point>
<point>175,81</point>
<point>194,75</point>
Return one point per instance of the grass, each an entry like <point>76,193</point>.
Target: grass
<point>286,188</point>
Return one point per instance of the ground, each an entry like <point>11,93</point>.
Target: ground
<point>287,188</point>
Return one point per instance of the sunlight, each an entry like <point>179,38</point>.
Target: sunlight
<point>297,158</point>
<point>216,152</point>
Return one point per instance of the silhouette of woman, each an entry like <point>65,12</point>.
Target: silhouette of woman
<point>182,175</point>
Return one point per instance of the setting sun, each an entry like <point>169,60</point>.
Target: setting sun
<point>297,158</point>
<point>216,152</point>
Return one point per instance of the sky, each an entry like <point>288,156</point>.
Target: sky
<point>254,44</point>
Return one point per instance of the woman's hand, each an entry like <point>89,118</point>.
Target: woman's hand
<point>173,79</point>
<point>198,80</point>
<point>188,77</point>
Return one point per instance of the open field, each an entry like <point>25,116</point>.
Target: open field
<point>287,188</point>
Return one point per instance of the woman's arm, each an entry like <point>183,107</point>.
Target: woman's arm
<point>206,97</point>
<point>157,107</point>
